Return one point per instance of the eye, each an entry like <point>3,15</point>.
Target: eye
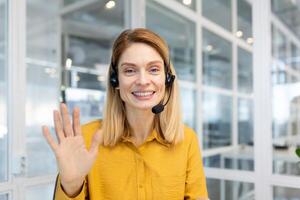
<point>129,71</point>
<point>154,70</point>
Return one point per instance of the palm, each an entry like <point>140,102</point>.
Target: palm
<point>73,158</point>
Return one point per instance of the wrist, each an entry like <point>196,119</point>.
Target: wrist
<point>72,189</point>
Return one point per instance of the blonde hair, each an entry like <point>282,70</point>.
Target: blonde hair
<point>168,123</point>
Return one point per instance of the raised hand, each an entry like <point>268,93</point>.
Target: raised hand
<point>73,158</point>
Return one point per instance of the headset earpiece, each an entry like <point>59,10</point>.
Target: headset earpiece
<point>169,79</point>
<point>114,78</point>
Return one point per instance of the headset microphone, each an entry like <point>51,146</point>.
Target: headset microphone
<point>169,83</point>
<point>158,108</point>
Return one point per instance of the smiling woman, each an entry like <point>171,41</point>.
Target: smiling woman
<point>141,77</point>
<point>131,153</point>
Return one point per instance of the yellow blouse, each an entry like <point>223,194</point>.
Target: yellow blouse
<point>152,171</point>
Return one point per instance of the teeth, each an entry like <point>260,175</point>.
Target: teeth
<point>142,94</point>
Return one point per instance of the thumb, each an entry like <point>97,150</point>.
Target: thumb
<point>95,142</point>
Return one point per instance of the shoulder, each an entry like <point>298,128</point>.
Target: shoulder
<point>89,129</point>
<point>91,126</point>
<point>190,137</point>
<point>189,133</point>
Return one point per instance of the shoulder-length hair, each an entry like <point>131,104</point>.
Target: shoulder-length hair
<point>168,124</point>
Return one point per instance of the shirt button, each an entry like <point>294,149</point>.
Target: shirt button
<point>140,186</point>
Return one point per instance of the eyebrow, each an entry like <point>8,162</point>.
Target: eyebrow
<point>132,64</point>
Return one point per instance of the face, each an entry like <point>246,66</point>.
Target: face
<point>141,77</point>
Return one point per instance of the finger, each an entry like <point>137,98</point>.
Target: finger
<point>66,120</point>
<point>58,126</point>
<point>95,142</point>
<point>49,138</point>
<point>76,121</point>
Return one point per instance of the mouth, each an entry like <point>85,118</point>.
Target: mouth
<point>143,95</point>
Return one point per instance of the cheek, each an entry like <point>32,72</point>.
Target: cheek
<point>124,88</point>
<point>160,82</point>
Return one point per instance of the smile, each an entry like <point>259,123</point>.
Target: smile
<point>143,95</point>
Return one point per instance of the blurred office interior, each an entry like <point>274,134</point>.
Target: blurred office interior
<point>238,64</point>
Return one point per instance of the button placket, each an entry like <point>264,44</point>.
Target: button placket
<point>141,177</point>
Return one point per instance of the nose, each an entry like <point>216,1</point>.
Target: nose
<point>143,78</point>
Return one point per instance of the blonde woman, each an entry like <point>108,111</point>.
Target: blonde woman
<point>141,149</point>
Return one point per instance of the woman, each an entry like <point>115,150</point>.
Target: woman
<point>141,149</point>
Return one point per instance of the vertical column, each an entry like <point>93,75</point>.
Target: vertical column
<point>16,90</point>
<point>262,98</point>
<point>138,13</point>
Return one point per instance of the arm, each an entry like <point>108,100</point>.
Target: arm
<point>60,194</point>
<point>195,185</point>
<point>73,158</point>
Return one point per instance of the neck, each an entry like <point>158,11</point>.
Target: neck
<point>141,122</point>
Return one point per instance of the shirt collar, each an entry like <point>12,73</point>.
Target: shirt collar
<point>153,136</point>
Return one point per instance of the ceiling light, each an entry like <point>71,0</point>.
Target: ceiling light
<point>110,4</point>
<point>68,63</point>
<point>239,34</point>
<point>187,2</point>
<point>77,78</point>
<point>209,48</point>
<point>250,40</point>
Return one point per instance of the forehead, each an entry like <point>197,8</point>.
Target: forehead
<point>140,52</point>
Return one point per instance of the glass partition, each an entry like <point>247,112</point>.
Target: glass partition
<point>245,121</point>
<point>219,12</point>
<point>217,120</point>
<point>179,33</point>
<point>244,21</point>
<point>43,82</point>
<point>287,11</point>
<point>285,94</point>
<point>3,92</point>
<point>3,196</point>
<point>216,61</point>
<point>245,71</point>
<point>88,35</point>
<point>225,190</point>
<point>188,99</point>
<point>44,192</point>
<point>285,193</point>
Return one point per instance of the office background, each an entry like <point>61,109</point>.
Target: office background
<point>238,64</point>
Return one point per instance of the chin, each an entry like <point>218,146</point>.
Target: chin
<point>145,106</point>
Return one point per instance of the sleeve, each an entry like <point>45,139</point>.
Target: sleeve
<point>59,193</point>
<point>195,185</point>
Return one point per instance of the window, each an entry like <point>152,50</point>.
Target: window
<point>43,80</point>
<point>223,10</point>
<point>3,197</point>
<point>223,189</point>
<point>244,20</point>
<point>285,193</point>
<point>245,71</point>
<point>217,120</point>
<point>179,33</point>
<point>87,41</point>
<point>217,61</point>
